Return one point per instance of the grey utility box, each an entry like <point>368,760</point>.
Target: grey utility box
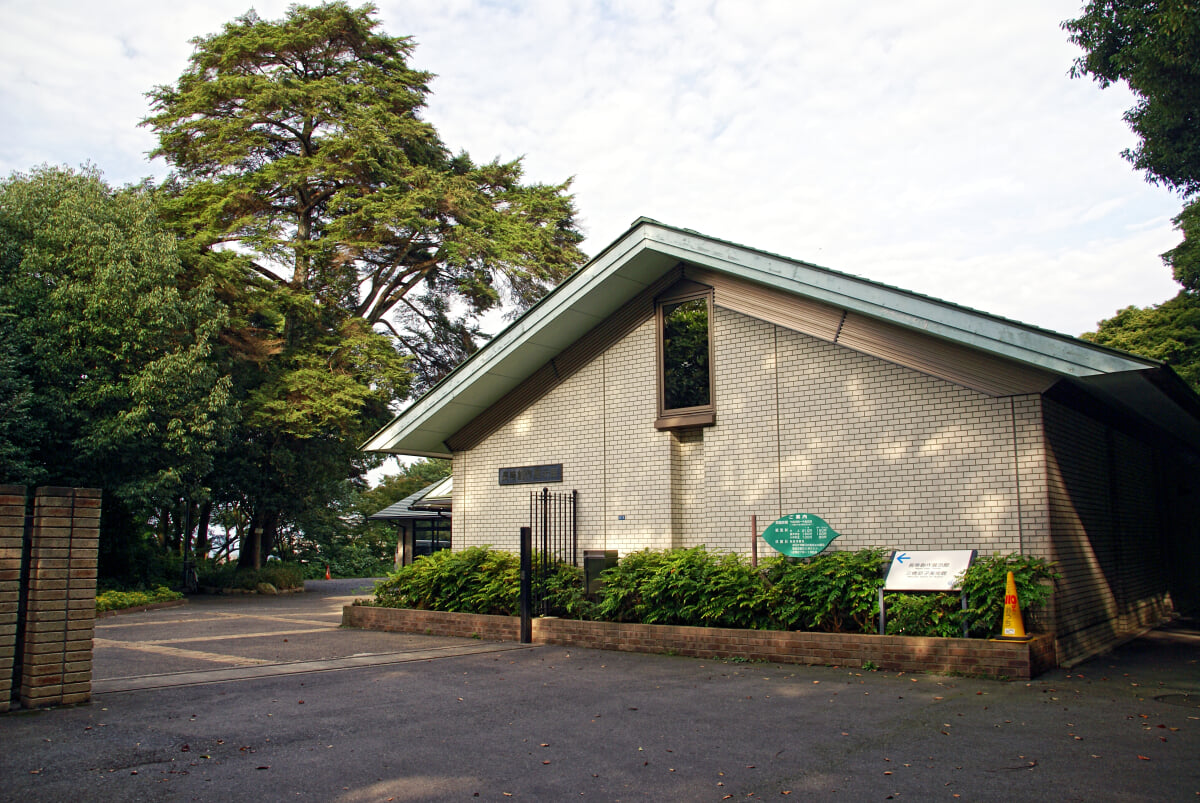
<point>594,562</point>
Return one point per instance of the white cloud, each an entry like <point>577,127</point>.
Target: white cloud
<point>936,146</point>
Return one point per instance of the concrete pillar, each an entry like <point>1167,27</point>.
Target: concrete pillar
<point>12,525</point>
<point>56,659</point>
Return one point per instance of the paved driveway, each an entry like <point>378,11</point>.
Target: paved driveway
<point>457,719</point>
<point>236,637</point>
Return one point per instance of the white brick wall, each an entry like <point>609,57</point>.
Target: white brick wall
<point>742,450</point>
<point>893,458</point>
<point>599,424</point>
<point>888,456</point>
<point>637,457</point>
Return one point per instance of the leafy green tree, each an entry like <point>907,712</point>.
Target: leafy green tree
<point>105,347</point>
<point>1154,47</point>
<point>1169,332</point>
<point>1184,259</point>
<point>340,533</point>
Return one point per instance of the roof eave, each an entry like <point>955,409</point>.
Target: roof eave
<point>646,251</point>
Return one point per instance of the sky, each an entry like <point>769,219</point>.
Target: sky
<point>940,147</point>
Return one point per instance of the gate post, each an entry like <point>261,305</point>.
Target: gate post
<point>56,665</point>
<point>526,583</point>
<point>12,537</point>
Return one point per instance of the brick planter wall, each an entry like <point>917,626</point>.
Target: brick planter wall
<point>905,653</point>
<point>432,623</point>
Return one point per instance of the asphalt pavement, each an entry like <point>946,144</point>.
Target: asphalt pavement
<point>265,698</point>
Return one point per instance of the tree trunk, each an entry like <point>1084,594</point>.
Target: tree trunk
<point>248,550</point>
<point>201,548</point>
<point>269,532</point>
<point>164,524</point>
<point>257,543</point>
<point>175,531</point>
<point>185,544</point>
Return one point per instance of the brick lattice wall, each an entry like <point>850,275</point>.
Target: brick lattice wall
<point>12,523</point>
<point>903,653</point>
<point>57,653</point>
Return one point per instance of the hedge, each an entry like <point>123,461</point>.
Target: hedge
<point>832,592</point>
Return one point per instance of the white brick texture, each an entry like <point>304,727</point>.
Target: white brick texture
<point>888,456</point>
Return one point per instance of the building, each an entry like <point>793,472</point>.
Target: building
<point>422,521</point>
<point>682,384</point>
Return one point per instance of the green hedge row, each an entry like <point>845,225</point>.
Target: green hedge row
<point>477,580</point>
<point>118,600</point>
<point>833,592</point>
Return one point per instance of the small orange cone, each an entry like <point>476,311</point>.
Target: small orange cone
<point>327,577</point>
<point>1013,626</point>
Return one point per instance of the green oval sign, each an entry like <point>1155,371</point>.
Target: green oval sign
<point>799,535</point>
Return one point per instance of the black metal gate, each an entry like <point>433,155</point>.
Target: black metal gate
<point>552,521</point>
<point>552,538</point>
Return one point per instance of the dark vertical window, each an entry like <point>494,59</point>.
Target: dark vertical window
<point>685,354</point>
<point>685,395</point>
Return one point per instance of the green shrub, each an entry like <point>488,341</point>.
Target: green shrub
<point>479,580</point>
<point>216,575</point>
<point>118,600</point>
<point>834,591</point>
<point>564,593</point>
<point>281,574</point>
<point>351,559</point>
<point>474,580</point>
<point>137,563</point>
<point>924,615</point>
<point>683,587</point>
<point>984,585</point>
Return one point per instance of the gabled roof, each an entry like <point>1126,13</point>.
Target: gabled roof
<point>436,496</point>
<point>410,507</point>
<point>649,250</point>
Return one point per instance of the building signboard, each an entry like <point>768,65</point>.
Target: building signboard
<point>530,475</point>
<point>928,571</point>
<point>799,535</point>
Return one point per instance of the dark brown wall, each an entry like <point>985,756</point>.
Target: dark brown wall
<point>1107,528</point>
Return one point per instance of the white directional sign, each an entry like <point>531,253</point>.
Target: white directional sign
<point>928,571</point>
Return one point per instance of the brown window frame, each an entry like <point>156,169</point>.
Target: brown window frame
<point>703,415</point>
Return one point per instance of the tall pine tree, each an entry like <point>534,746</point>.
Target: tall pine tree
<point>357,251</point>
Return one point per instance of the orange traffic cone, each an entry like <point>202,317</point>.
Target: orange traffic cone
<point>327,577</point>
<point>1013,626</point>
